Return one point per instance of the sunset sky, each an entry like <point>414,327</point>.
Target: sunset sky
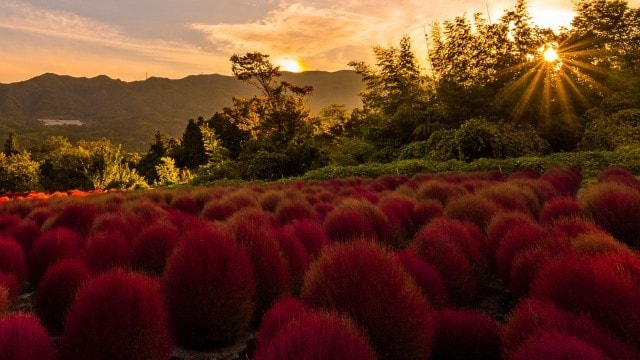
<point>132,39</point>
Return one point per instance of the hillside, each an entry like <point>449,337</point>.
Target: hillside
<point>131,112</point>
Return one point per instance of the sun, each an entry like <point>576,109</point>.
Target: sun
<point>550,55</point>
<point>290,64</point>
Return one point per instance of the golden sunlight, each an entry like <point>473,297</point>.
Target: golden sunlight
<point>550,54</point>
<point>289,64</point>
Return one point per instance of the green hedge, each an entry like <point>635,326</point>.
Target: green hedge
<point>589,162</point>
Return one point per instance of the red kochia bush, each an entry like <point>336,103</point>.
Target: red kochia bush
<point>51,246</point>
<point>425,211</point>
<point>269,264</point>
<point>461,334</point>
<point>616,208</point>
<point>559,207</point>
<point>315,337</point>
<point>57,290</point>
<point>557,346</point>
<point>565,180</point>
<point>23,338</point>
<point>498,227</point>
<point>311,234</point>
<point>25,233</point>
<point>472,207</point>
<point>12,259</point>
<point>153,246</point>
<point>435,245</point>
<point>358,218</point>
<point>393,312</point>
<point>296,256</point>
<point>518,238</point>
<point>426,276</point>
<point>295,209</point>
<point>210,287</point>
<point>534,317</point>
<point>106,251</point>
<point>76,215</point>
<point>117,315</point>
<point>607,287</point>
<point>281,313</point>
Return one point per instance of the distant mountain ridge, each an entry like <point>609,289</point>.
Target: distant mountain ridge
<point>131,112</point>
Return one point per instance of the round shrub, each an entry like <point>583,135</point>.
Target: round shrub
<point>295,209</point>
<point>186,203</point>
<point>439,190</point>
<point>217,210</point>
<point>515,240</point>
<point>427,277</point>
<point>23,338</point>
<point>435,245</point>
<point>50,247</point>
<point>25,233</point>
<point>269,264</point>
<point>596,242</point>
<point>461,334</point>
<point>117,316</point>
<point>317,336</point>
<point>57,290</point>
<point>616,208</point>
<point>210,287</point>
<point>153,246</point>
<point>281,313</point>
<point>532,318</point>
<point>425,211</point>
<point>12,259</point>
<point>607,287</point>
<point>345,224</point>
<point>472,207</point>
<point>565,180</point>
<point>76,215</point>
<point>296,257</point>
<point>559,207</point>
<point>557,346</point>
<point>511,197</point>
<point>395,315</point>
<point>500,225</point>
<point>105,251</point>
<point>311,234</point>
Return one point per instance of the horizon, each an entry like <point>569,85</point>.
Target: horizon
<point>170,39</point>
<point>161,77</point>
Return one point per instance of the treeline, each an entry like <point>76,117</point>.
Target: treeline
<point>491,90</point>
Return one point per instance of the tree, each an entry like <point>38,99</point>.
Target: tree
<point>11,146</point>
<point>106,165</point>
<point>18,172</point>
<point>397,100</point>
<point>158,148</point>
<point>62,166</point>
<point>278,115</point>
<point>191,152</point>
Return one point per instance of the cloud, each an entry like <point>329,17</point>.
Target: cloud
<point>65,26</point>
<point>329,36</point>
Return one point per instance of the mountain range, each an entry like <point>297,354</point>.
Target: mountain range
<point>129,113</point>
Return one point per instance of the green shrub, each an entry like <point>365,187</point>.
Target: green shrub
<point>351,152</point>
<point>442,145</point>
<point>414,150</point>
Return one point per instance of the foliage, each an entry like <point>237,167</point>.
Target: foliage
<point>18,172</point>
<point>91,331</point>
<point>22,337</point>
<point>169,174</point>
<point>346,277</point>
<point>209,289</point>
<point>351,151</point>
